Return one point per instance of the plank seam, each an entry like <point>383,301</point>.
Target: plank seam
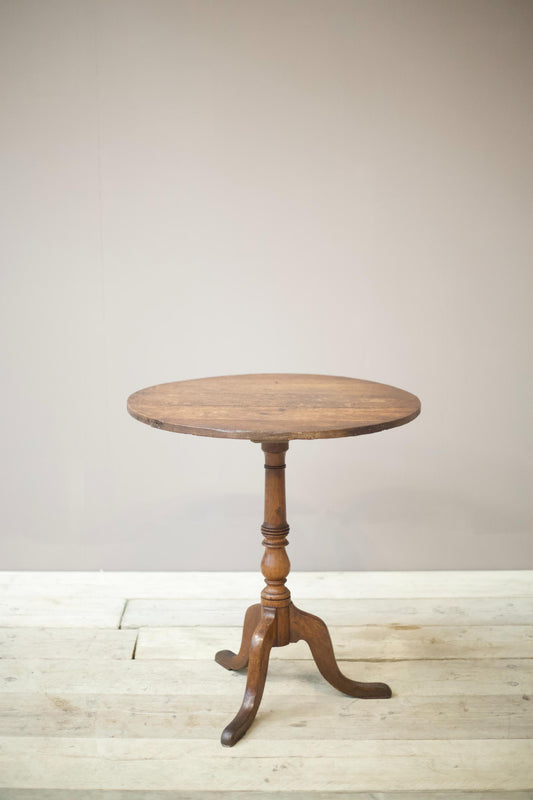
<point>126,601</point>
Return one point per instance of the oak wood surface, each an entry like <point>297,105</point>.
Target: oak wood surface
<point>261,644</point>
<point>236,661</point>
<point>274,407</point>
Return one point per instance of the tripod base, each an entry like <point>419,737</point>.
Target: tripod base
<point>266,627</point>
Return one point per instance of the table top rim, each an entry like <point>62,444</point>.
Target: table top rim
<point>400,414</point>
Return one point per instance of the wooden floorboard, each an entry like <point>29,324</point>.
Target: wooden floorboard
<point>173,612</point>
<point>330,716</point>
<point>225,585</point>
<point>261,764</point>
<point>421,678</point>
<point>108,689</point>
<point>81,643</point>
<point>376,642</point>
<point>110,794</point>
<point>61,612</point>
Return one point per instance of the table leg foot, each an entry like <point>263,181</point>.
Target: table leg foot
<point>314,631</point>
<point>260,646</point>
<point>230,660</point>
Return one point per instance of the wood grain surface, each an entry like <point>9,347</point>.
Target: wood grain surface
<point>106,722</point>
<point>274,407</point>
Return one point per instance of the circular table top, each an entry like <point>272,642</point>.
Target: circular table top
<point>274,407</point>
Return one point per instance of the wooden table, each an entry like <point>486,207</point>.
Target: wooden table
<point>272,409</point>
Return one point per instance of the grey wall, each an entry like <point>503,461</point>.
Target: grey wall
<point>195,188</point>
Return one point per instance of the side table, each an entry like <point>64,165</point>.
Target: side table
<point>272,409</point>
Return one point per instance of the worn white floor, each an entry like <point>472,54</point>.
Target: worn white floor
<point>108,689</point>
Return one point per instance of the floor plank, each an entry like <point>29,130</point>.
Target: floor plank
<point>437,583</point>
<point>80,643</point>
<point>377,642</point>
<point>172,612</point>
<point>46,611</point>
<point>285,677</point>
<point>308,718</point>
<point>171,764</point>
<point>99,794</point>
<point>90,612</point>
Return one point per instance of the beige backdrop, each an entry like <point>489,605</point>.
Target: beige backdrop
<point>199,187</point>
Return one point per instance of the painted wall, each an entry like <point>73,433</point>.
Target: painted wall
<point>195,188</point>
